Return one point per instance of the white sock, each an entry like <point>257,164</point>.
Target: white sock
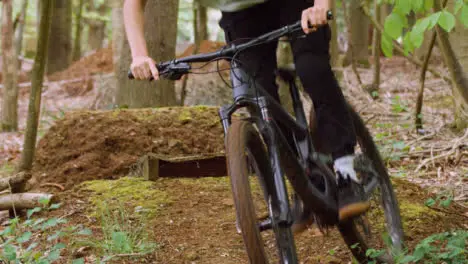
<point>345,166</point>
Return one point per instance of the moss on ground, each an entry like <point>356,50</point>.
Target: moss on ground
<point>134,193</point>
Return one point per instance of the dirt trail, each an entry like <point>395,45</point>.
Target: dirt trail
<point>193,220</point>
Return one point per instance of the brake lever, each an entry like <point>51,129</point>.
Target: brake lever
<point>175,72</point>
<point>171,71</point>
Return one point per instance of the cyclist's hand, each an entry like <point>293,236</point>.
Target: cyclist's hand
<point>143,68</point>
<point>314,16</point>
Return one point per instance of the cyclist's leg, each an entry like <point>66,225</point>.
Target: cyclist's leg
<point>259,62</point>
<point>241,26</point>
<point>334,123</point>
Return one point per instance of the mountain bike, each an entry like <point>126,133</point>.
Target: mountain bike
<point>277,174</point>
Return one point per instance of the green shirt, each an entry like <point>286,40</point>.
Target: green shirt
<point>230,5</point>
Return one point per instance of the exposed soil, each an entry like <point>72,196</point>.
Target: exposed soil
<point>103,145</point>
<point>97,62</point>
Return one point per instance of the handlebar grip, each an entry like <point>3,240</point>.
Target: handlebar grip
<point>130,75</point>
<point>330,15</point>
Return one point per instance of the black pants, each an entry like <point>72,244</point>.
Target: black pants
<point>312,61</point>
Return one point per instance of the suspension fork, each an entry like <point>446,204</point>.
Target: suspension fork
<point>280,203</point>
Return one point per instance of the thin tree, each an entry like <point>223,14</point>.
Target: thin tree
<point>359,37</point>
<point>60,47</point>
<point>351,42</point>
<point>19,33</point>
<point>97,24</point>
<point>9,112</point>
<point>376,42</point>
<point>457,74</point>
<point>76,53</point>
<point>37,79</point>
<point>334,52</point>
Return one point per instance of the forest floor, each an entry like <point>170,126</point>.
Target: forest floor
<point>88,158</point>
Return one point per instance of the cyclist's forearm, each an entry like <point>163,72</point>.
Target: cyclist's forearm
<point>134,26</point>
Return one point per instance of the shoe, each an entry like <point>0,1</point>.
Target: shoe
<point>351,199</point>
<point>305,220</point>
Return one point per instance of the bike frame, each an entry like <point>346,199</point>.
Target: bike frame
<point>268,116</point>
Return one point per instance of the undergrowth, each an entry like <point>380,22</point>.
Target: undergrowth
<point>42,240</point>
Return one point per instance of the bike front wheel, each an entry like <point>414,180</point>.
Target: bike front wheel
<point>246,157</point>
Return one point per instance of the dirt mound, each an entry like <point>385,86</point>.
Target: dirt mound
<point>98,62</point>
<point>103,145</point>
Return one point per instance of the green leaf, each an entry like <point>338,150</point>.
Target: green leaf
<point>428,5</point>
<point>78,261</point>
<point>421,25</point>
<point>53,255</point>
<point>387,46</point>
<point>7,231</point>
<point>24,237</point>
<point>55,236</point>
<point>403,6</point>
<point>55,206</point>
<point>458,6</point>
<point>433,19</point>
<point>32,246</point>
<point>430,202</point>
<point>85,232</point>
<point>464,15</point>
<point>32,211</point>
<point>9,251</point>
<point>50,223</point>
<point>446,202</point>
<point>120,242</point>
<point>407,259</point>
<point>417,5</point>
<point>408,44</point>
<point>394,25</point>
<point>447,21</point>
<point>399,145</point>
<point>44,201</point>
<point>38,222</point>
<point>59,246</point>
<point>416,39</point>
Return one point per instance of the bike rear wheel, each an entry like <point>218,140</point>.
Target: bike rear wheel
<point>245,151</point>
<point>383,218</point>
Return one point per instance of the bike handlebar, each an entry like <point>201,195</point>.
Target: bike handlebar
<point>174,69</point>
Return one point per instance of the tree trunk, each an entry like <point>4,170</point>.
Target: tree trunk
<point>9,114</point>
<point>334,52</point>
<point>76,54</point>
<point>97,27</point>
<point>284,57</point>
<point>60,33</point>
<point>456,59</point>
<point>37,78</point>
<point>201,18</point>
<point>359,25</point>
<point>19,33</point>
<point>118,32</point>
<point>160,34</point>
<point>376,51</point>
